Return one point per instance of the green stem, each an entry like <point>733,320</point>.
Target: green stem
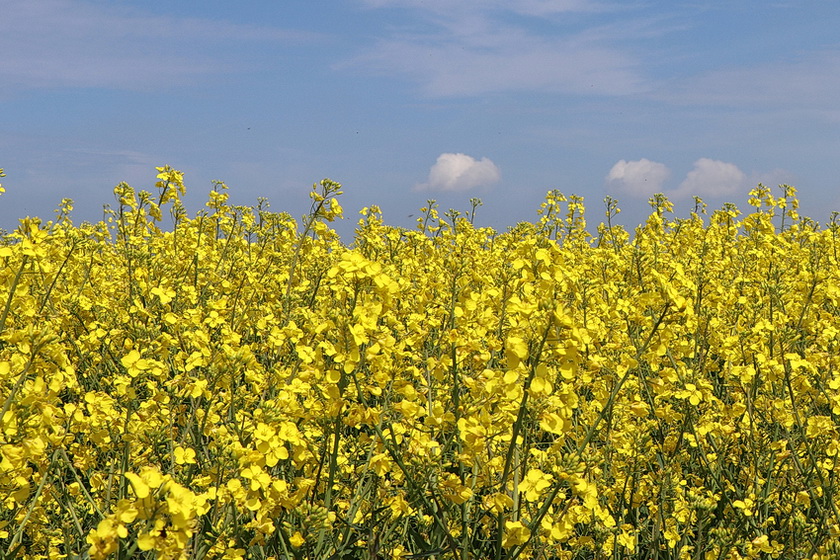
<point>517,426</point>
<point>19,534</point>
<point>12,294</point>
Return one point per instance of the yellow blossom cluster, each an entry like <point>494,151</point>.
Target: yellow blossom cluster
<point>241,384</point>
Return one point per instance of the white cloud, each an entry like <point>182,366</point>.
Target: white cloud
<point>640,178</point>
<point>711,178</point>
<point>459,172</point>
<point>708,178</point>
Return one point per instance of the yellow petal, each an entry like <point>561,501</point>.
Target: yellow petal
<point>141,489</point>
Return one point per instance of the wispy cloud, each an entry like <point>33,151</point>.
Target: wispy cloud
<point>75,43</point>
<point>527,7</point>
<point>806,82</point>
<point>459,172</point>
<point>467,48</point>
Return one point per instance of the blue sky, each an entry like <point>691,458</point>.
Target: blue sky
<point>407,100</point>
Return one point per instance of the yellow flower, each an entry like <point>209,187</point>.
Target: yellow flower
<point>517,350</point>
<point>184,456</point>
<point>258,477</point>
<point>498,502</point>
<point>401,372</point>
<point>146,541</point>
<point>297,540</point>
<point>148,479</point>
<point>165,295</point>
<point>453,490</point>
<point>554,423</point>
<point>692,393</point>
<point>134,364</point>
<point>181,505</point>
<point>534,483</point>
<point>626,538</point>
<point>746,506</point>
<point>103,540</point>
<point>515,534</point>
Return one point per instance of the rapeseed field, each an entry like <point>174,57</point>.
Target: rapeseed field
<point>241,384</point>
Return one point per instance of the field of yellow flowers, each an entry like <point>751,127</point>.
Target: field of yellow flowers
<point>245,385</point>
